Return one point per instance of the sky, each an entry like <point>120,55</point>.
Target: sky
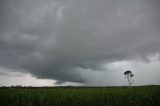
<point>79,42</point>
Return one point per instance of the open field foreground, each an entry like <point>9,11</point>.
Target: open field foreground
<point>81,96</point>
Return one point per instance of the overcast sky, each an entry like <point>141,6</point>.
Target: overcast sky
<point>79,42</point>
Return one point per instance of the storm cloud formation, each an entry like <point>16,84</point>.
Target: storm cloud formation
<point>58,39</point>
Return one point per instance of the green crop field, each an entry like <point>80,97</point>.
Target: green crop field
<point>81,96</point>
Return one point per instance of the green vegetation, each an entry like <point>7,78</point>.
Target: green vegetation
<point>81,96</point>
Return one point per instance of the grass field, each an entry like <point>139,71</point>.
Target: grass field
<point>81,96</point>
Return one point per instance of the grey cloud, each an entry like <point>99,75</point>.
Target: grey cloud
<point>52,38</point>
<point>59,82</point>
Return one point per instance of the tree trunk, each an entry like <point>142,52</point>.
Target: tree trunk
<point>129,82</point>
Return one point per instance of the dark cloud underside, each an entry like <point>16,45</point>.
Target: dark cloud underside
<point>53,38</point>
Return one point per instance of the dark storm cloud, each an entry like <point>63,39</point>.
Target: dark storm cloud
<point>53,38</point>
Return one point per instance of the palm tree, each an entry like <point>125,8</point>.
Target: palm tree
<point>129,75</point>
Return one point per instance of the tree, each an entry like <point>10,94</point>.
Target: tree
<point>129,75</point>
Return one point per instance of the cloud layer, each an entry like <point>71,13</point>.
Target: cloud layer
<point>60,39</point>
